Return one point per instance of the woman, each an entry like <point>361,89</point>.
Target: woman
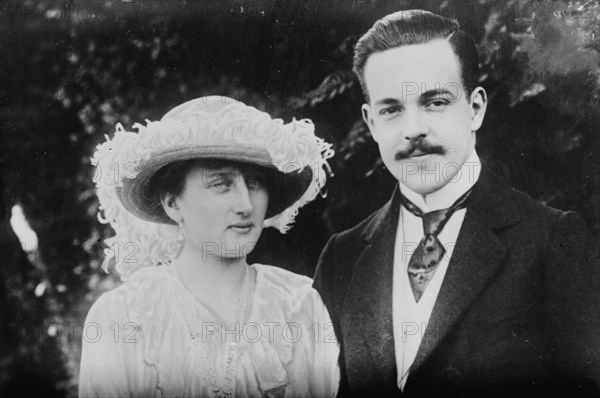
<point>188,197</point>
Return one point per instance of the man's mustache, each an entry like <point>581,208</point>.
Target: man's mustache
<point>419,147</point>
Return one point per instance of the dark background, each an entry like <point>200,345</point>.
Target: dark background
<point>70,70</point>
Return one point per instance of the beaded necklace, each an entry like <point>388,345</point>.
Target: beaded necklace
<point>186,303</point>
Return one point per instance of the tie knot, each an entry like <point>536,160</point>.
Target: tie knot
<point>434,221</point>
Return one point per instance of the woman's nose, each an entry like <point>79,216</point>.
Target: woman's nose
<point>243,201</point>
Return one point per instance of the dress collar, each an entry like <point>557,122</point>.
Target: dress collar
<point>444,197</point>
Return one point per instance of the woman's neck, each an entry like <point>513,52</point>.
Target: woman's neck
<point>207,274</point>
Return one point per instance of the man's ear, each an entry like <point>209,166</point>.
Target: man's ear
<point>478,105</point>
<point>169,204</point>
<point>367,116</point>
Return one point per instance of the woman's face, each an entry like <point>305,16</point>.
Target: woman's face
<point>222,208</point>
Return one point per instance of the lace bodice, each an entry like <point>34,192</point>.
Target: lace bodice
<point>280,344</point>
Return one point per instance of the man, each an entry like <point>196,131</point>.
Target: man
<point>459,285</point>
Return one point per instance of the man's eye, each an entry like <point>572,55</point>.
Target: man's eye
<point>437,104</point>
<point>390,110</point>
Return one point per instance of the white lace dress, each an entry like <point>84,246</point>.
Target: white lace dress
<point>151,338</point>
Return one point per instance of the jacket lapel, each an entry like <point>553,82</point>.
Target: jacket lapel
<point>475,260</point>
<point>367,315</point>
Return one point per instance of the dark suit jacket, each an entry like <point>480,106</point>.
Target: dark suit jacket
<point>518,311</point>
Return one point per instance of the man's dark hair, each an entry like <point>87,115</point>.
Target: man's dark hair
<point>408,27</point>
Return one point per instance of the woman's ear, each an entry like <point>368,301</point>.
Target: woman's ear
<point>478,107</point>
<point>169,204</point>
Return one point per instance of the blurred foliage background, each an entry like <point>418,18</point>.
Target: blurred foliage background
<point>70,70</point>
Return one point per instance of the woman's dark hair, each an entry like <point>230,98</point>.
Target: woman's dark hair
<point>171,178</point>
<point>409,27</point>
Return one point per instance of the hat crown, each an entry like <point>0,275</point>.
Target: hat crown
<point>216,119</point>
<point>212,105</point>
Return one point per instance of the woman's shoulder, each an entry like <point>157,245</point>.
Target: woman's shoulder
<point>290,282</point>
<point>148,282</point>
<point>144,288</point>
<point>108,307</point>
<point>286,288</point>
<point>148,275</point>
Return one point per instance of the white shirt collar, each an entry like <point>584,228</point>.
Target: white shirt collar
<point>448,194</point>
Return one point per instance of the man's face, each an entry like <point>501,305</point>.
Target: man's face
<point>420,115</point>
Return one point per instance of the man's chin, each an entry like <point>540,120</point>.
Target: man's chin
<point>424,174</point>
<point>424,184</point>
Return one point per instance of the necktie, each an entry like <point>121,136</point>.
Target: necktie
<point>428,254</point>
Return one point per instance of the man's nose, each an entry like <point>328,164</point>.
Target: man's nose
<point>416,124</point>
<point>243,201</point>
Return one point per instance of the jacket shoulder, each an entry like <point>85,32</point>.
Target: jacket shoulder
<point>341,252</point>
<point>536,213</point>
<point>497,204</point>
<point>356,232</point>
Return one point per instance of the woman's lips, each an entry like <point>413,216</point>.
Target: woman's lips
<point>242,227</point>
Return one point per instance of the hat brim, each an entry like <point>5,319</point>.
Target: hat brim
<point>136,194</point>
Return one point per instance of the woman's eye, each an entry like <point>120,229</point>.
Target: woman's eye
<point>220,184</point>
<point>255,182</point>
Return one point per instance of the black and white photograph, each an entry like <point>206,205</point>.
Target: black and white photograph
<point>300,198</point>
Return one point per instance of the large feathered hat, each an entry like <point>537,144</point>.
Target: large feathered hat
<point>204,128</point>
